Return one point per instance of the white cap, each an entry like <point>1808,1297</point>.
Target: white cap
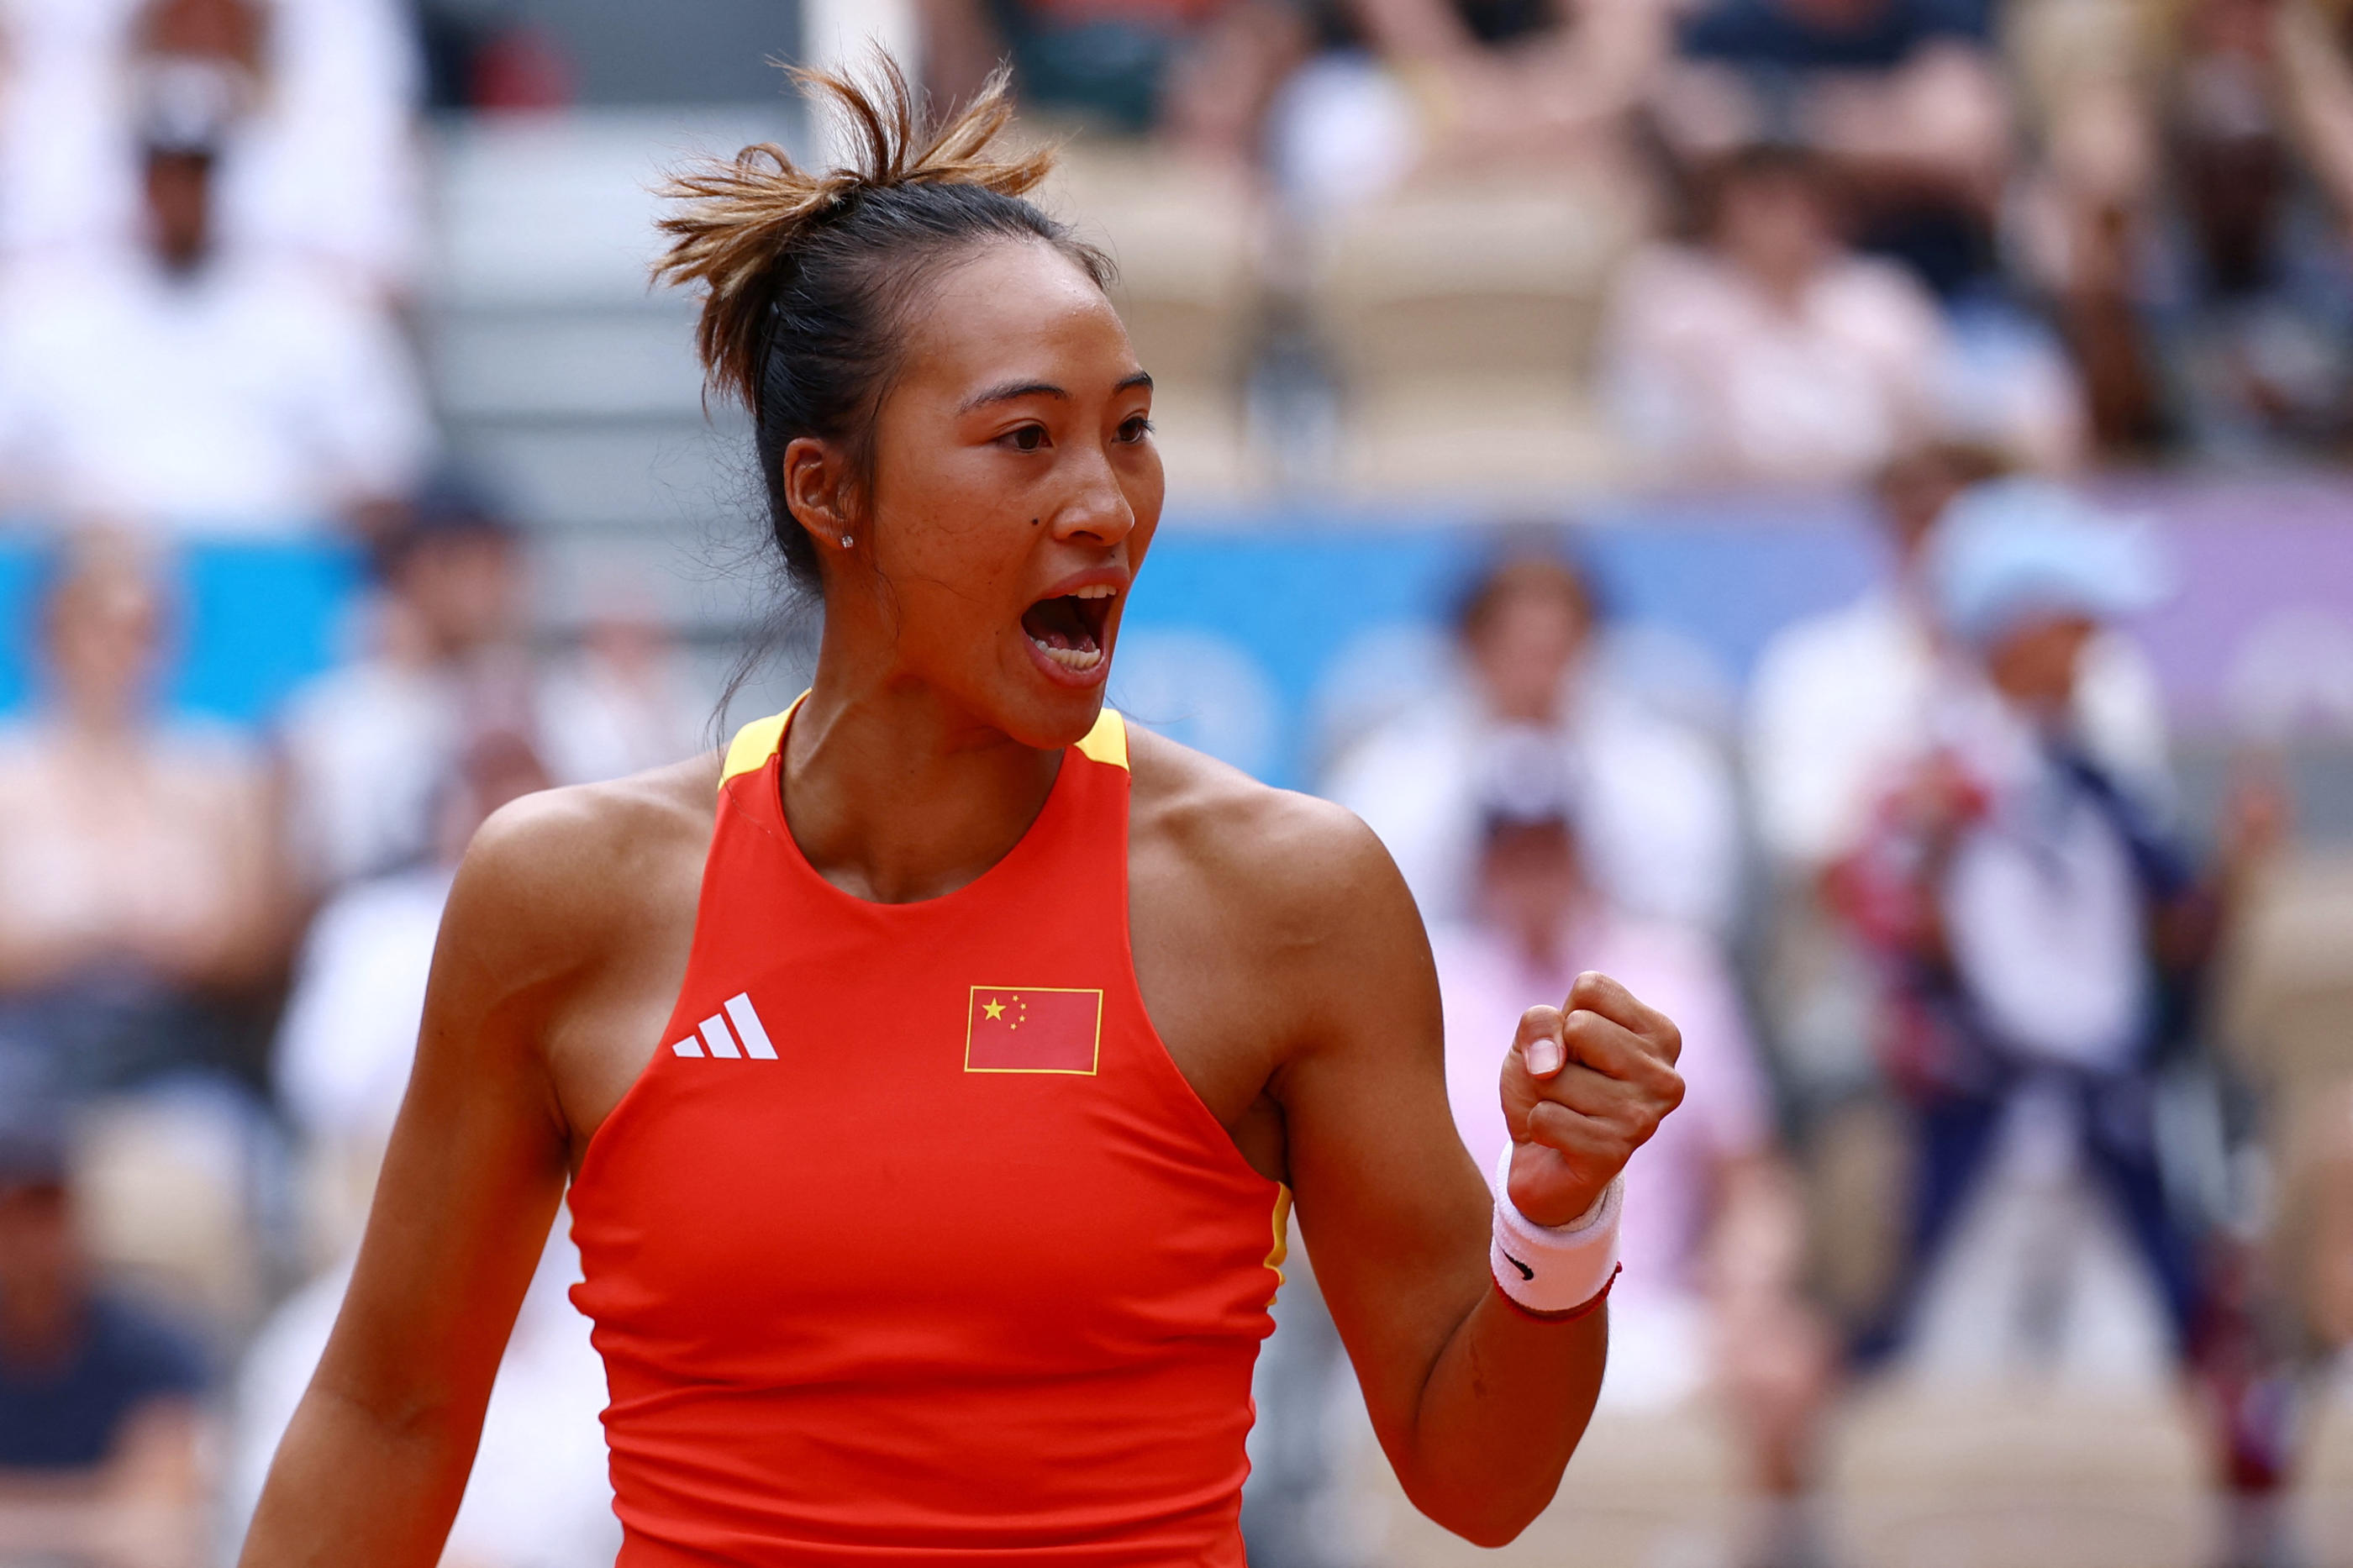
<point>2012,549</point>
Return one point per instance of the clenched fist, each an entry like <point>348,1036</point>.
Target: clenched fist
<point>1585,1085</point>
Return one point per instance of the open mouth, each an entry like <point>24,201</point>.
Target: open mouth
<point>1069,630</point>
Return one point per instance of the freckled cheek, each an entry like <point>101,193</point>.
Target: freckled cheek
<point>957,576</point>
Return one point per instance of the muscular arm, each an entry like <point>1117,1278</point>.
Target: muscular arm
<point>1311,932</point>
<point>375,1463</point>
<point>1477,1405</point>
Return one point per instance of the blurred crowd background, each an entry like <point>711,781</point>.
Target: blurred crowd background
<point>1834,511</point>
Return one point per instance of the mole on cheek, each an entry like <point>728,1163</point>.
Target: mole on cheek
<point>1034,521</point>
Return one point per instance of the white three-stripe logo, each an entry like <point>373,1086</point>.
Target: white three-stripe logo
<point>714,1035</point>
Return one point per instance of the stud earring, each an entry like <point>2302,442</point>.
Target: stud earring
<point>845,542</point>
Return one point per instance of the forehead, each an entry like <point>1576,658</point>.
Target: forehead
<point>1015,309</point>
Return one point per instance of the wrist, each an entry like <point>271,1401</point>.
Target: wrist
<point>1554,1269</point>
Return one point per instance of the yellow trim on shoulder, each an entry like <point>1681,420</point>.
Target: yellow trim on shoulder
<point>1107,741</point>
<point>1282,1249</point>
<point>756,743</point>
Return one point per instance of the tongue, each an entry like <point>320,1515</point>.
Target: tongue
<point>1057,623</point>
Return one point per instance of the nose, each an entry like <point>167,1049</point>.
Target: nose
<point>1097,509</point>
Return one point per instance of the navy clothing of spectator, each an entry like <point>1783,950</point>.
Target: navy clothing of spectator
<point>1489,21</point>
<point>1770,35</point>
<point>69,1417</point>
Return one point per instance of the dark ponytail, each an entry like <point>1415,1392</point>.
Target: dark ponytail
<point>807,277</point>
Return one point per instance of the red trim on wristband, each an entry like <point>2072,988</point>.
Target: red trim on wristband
<point>1583,1308</point>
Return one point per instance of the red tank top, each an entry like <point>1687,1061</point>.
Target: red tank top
<point>911,1243</point>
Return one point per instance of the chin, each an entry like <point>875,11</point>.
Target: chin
<point>1039,711</point>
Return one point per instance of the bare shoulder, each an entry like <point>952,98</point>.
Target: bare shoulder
<point>554,876</point>
<point>1286,863</point>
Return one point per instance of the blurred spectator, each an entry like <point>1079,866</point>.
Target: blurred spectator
<point>1655,810</point>
<point>99,1424</point>
<point>621,702</point>
<point>1771,353</point>
<point>537,1495</point>
<point>2193,227</point>
<point>2043,930</point>
<point>1903,96</point>
<point>315,100</point>
<point>143,886</point>
<point>1198,73</point>
<point>1707,1298</point>
<point>1469,86</point>
<point>350,1025</point>
<point>1842,709</point>
<point>366,745</point>
<point>1840,703</point>
<point>198,386</point>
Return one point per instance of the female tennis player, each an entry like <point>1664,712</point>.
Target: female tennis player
<point>932,1072</point>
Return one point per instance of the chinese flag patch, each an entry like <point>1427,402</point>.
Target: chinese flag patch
<point>1023,1028</point>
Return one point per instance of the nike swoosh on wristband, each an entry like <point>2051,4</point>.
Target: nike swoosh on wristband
<point>1526,1272</point>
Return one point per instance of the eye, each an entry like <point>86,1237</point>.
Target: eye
<point>1028,438</point>
<point>1135,428</point>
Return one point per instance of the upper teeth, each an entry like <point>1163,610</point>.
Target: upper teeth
<point>1093,591</point>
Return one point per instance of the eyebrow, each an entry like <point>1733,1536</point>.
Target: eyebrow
<point>1008,391</point>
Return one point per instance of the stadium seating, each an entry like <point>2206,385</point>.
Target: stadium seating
<point>1647,1491</point>
<point>564,380</point>
<point>2019,1476</point>
<point>2323,1505</point>
<point>1462,317</point>
<point>1185,238</point>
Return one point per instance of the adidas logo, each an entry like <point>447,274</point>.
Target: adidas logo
<point>716,1038</point>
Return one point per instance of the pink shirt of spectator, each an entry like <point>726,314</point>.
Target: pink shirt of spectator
<point>1714,382</point>
<point>1485,985</point>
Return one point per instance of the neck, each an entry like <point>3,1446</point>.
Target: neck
<point>98,724</point>
<point>895,794</point>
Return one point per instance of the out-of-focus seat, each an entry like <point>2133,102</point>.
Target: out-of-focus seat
<point>164,1197</point>
<point>2323,1503</point>
<point>2019,1476</point>
<point>2290,973</point>
<point>1187,238</point>
<point>2287,998</point>
<point>564,380</point>
<point>1646,1490</point>
<point>1461,316</point>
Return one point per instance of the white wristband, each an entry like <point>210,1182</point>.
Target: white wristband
<point>1554,1268</point>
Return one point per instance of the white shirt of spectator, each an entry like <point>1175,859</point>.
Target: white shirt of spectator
<point>596,721</point>
<point>328,168</point>
<point>1655,812</point>
<point>350,1030</point>
<point>254,400</point>
<point>538,1495</point>
<point>2042,905</point>
<point>1839,709</point>
<point>367,745</point>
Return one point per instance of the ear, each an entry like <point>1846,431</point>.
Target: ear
<point>817,491</point>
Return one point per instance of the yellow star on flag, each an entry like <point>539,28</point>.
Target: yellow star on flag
<point>994,1009</point>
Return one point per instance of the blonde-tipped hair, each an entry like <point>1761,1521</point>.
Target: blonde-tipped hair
<point>744,216</point>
